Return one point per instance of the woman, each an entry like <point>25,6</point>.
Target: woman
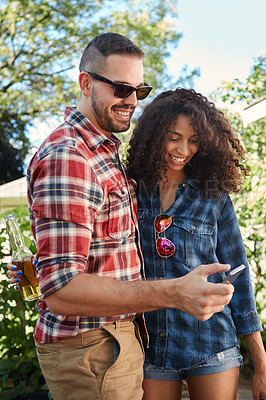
<point>185,159</point>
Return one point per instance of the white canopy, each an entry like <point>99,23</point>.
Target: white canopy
<point>13,194</point>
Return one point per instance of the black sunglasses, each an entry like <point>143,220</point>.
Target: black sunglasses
<point>121,90</point>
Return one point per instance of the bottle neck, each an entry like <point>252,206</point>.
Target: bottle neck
<point>19,249</point>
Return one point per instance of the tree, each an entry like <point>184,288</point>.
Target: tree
<point>41,42</point>
<point>14,146</point>
<point>246,92</point>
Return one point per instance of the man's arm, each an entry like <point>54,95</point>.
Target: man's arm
<point>95,296</point>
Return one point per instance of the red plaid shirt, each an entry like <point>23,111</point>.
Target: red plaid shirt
<point>83,214</point>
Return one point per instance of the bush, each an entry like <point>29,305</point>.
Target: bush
<point>19,367</point>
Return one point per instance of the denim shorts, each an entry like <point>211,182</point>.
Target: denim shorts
<point>227,359</point>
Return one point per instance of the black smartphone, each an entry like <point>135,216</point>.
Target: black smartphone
<point>231,277</point>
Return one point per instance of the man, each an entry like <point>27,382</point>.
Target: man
<point>83,216</point>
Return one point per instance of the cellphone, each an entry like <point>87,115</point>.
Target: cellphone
<point>231,277</point>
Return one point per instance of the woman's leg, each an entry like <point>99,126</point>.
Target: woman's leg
<point>219,386</point>
<point>158,390</point>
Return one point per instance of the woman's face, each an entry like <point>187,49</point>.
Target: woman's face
<point>182,142</point>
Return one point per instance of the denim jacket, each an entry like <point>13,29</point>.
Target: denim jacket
<point>204,230</point>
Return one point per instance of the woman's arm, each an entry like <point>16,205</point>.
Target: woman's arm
<point>257,352</point>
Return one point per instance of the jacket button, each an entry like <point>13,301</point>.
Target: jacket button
<point>193,227</point>
<point>162,334</point>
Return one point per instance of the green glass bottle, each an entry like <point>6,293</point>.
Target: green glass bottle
<point>22,257</point>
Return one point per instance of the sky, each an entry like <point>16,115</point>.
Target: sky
<point>221,37</point>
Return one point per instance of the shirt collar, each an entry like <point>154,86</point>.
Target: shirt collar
<point>93,138</point>
<point>192,182</point>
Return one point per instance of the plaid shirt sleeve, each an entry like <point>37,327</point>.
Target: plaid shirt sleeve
<point>65,200</point>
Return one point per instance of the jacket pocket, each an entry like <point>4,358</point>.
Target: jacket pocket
<point>194,241</point>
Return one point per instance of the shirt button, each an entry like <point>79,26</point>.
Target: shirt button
<point>162,334</point>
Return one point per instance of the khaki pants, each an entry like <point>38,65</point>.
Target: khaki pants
<point>82,367</point>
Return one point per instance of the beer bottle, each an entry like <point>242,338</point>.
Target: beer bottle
<point>22,257</point>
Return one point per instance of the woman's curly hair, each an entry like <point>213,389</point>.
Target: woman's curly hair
<point>217,164</point>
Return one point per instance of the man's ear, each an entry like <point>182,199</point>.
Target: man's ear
<point>85,83</point>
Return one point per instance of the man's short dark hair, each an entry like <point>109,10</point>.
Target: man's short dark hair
<point>101,46</point>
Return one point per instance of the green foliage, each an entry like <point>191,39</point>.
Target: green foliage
<point>251,210</point>
<point>19,368</point>
<point>253,88</point>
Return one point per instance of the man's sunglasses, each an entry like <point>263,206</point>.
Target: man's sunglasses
<point>121,90</point>
<point>165,248</point>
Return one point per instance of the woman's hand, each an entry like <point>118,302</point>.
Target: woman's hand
<point>14,275</point>
<point>259,386</point>
<point>257,352</point>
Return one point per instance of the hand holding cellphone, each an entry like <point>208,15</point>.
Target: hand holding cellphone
<point>231,277</point>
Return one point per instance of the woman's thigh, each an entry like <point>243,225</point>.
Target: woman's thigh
<point>218,386</point>
<point>158,390</point>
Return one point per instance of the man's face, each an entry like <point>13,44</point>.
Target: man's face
<point>107,112</point>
